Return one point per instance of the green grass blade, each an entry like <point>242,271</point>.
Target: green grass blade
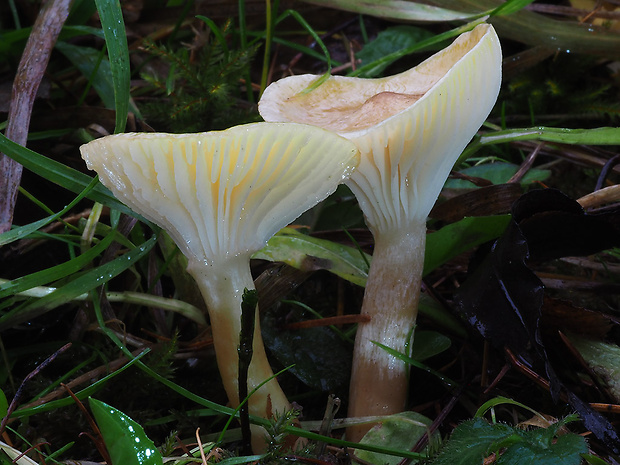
<point>501,400</point>
<point>23,231</point>
<point>116,40</point>
<point>77,30</point>
<point>54,273</point>
<point>510,7</point>
<point>447,381</point>
<point>351,445</point>
<point>60,174</point>
<point>241,460</point>
<point>294,46</point>
<point>216,31</point>
<point>83,394</point>
<point>392,57</point>
<point>317,39</point>
<point>88,61</point>
<point>596,136</point>
<point>86,282</point>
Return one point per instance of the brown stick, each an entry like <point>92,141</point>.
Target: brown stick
<point>25,86</point>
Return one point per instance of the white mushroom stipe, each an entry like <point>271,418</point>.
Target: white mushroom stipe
<point>221,196</point>
<point>410,129</point>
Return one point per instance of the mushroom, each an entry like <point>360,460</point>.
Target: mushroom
<point>221,195</point>
<point>410,129</point>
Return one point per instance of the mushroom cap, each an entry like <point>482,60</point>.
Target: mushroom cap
<point>410,127</point>
<point>223,193</point>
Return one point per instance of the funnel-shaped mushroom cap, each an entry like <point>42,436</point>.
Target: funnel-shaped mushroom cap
<point>223,193</point>
<point>410,128</point>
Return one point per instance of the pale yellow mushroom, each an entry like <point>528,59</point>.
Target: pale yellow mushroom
<point>221,196</point>
<point>410,129</point>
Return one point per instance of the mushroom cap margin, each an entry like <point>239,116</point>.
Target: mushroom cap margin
<point>223,193</point>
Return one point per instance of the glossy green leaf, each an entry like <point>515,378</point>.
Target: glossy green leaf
<point>456,238</point>
<point>501,400</point>
<point>116,40</point>
<point>414,363</point>
<point>125,439</point>
<point>241,460</point>
<point>443,318</point>
<point>566,449</point>
<point>309,253</point>
<point>546,31</point>
<point>400,431</point>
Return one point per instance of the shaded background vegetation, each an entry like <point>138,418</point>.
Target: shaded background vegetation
<point>201,66</point>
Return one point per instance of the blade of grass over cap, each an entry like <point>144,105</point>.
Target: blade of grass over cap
<point>392,57</point>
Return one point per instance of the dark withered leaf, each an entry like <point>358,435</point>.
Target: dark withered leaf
<point>562,314</point>
<point>596,423</point>
<point>502,297</point>
<point>556,226</point>
<point>490,200</point>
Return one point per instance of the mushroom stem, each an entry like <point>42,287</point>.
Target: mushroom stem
<point>379,381</point>
<point>222,285</point>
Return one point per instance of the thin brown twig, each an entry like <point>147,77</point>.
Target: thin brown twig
<point>527,164</point>
<point>98,437</point>
<point>25,86</point>
<point>26,380</point>
<point>87,377</point>
<point>202,452</point>
<point>329,321</point>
